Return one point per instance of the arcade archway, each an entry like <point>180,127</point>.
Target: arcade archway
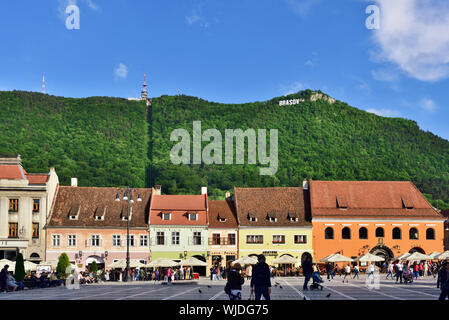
<point>200,270</point>
<point>384,252</point>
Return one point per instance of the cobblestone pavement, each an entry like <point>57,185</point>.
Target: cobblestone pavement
<point>283,289</point>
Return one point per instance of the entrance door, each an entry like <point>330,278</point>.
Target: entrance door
<point>200,270</point>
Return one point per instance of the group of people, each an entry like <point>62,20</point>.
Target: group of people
<point>32,280</point>
<point>217,272</point>
<point>260,280</point>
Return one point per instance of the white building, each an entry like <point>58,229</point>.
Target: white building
<point>25,203</point>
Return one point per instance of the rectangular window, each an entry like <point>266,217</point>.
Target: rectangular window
<point>95,240</point>
<point>160,238</point>
<point>131,240</point>
<point>36,205</point>
<point>197,238</point>
<point>216,239</point>
<point>71,240</point>
<point>175,238</point>
<point>13,205</point>
<point>35,230</point>
<point>300,238</point>
<point>231,239</point>
<point>253,239</point>
<point>55,240</point>
<point>279,238</point>
<point>116,240</point>
<point>193,216</point>
<point>143,240</point>
<point>13,230</point>
<point>166,216</point>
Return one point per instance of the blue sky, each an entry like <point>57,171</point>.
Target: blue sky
<point>236,51</point>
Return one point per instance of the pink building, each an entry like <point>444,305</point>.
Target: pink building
<point>89,225</point>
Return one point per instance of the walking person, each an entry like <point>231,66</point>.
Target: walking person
<point>233,286</point>
<point>399,271</point>
<point>260,280</point>
<point>356,272</point>
<point>307,271</point>
<point>390,270</point>
<point>443,281</point>
<point>329,270</point>
<point>371,270</point>
<point>249,272</point>
<point>169,274</point>
<point>347,273</point>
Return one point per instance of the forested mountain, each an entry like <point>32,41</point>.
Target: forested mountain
<point>101,141</point>
<point>114,142</point>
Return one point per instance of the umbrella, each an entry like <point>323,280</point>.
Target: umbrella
<point>246,260</point>
<point>54,264</point>
<point>285,260</point>
<point>30,266</point>
<point>133,263</point>
<point>339,258</point>
<point>327,258</point>
<point>417,256</point>
<point>163,262</point>
<point>11,264</point>
<point>370,258</point>
<point>434,255</point>
<point>444,255</point>
<point>193,262</point>
<point>403,256</point>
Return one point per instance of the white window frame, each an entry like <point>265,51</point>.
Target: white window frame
<point>254,237</point>
<point>164,215</point>
<point>300,235</point>
<point>158,234</point>
<point>193,214</point>
<point>197,235</point>
<point>95,237</point>
<point>54,238</point>
<point>71,240</point>
<point>281,237</point>
<point>143,240</point>
<point>116,240</point>
<point>175,235</point>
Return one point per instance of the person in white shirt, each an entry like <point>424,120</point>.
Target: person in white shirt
<point>356,272</point>
<point>347,272</point>
<point>390,270</point>
<point>399,271</point>
<point>370,270</point>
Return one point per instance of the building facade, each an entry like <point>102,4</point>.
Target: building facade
<point>179,227</point>
<point>223,233</point>
<point>381,217</point>
<point>89,225</point>
<point>25,203</point>
<point>272,221</point>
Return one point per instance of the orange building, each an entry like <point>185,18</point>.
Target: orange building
<point>383,218</point>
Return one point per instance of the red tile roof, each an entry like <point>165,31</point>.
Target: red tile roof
<point>12,172</point>
<point>36,178</point>
<point>224,210</point>
<point>88,202</point>
<point>179,206</point>
<point>281,203</point>
<point>369,199</point>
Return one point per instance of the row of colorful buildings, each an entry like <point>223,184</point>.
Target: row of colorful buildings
<point>42,219</point>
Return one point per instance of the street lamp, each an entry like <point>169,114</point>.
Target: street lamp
<point>127,196</point>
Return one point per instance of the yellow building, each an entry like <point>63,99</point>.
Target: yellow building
<point>274,222</point>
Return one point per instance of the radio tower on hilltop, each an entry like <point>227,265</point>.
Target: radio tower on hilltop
<point>43,83</point>
<point>144,93</point>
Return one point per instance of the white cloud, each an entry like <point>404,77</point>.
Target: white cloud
<point>292,88</point>
<point>428,104</point>
<point>302,7</point>
<point>92,5</point>
<point>414,35</point>
<point>384,112</point>
<point>309,63</point>
<point>384,75</point>
<point>195,18</point>
<point>121,71</point>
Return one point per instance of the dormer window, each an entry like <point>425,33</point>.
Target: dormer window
<point>100,212</point>
<point>99,218</point>
<point>292,217</point>
<point>220,218</point>
<point>193,216</point>
<point>342,203</point>
<point>74,212</point>
<point>166,216</point>
<point>407,203</point>
<point>272,217</point>
<point>252,217</point>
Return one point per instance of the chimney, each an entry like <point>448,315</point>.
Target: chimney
<point>227,194</point>
<point>203,190</point>
<point>74,182</point>
<point>157,190</point>
<point>305,185</point>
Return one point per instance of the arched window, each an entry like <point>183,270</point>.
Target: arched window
<point>346,233</point>
<point>329,233</point>
<point>363,233</point>
<point>413,234</point>
<point>380,233</point>
<point>397,234</point>
<point>430,234</point>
